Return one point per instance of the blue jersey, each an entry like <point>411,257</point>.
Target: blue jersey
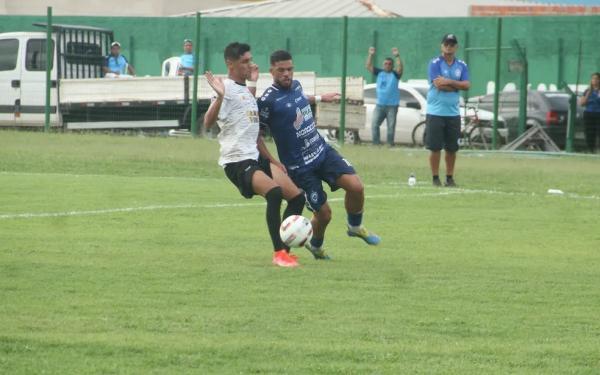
<point>187,60</point>
<point>445,103</point>
<point>387,87</point>
<point>287,114</point>
<point>593,103</point>
<point>116,64</point>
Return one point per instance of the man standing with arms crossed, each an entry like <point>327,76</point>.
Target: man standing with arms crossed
<point>308,159</point>
<point>447,75</point>
<point>388,95</point>
<point>236,110</point>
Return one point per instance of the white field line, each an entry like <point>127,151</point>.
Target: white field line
<point>34,215</point>
<point>432,193</point>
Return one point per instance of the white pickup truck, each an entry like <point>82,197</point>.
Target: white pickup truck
<point>80,97</point>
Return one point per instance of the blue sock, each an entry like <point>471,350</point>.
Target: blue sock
<point>355,220</point>
<point>317,242</point>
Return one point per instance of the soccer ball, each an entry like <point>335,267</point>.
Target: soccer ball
<point>295,231</point>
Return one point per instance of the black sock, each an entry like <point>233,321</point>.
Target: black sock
<point>436,177</point>
<point>274,197</point>
<point>448,177</point>
<point>294,206</point>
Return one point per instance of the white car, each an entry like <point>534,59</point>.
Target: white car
<point>411,111</point>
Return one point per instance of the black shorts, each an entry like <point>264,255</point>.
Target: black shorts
<point>241,172</point>
<point>442,132</point>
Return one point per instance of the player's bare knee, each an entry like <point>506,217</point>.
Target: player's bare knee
<point>356,187</point>
<point>324,214</point>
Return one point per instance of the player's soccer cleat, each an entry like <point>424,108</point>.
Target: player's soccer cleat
<point>362,232</point>
<point>293,256</point>
<point>437,182</point>
<point>281,258</point>
<point>450,182</point>
<point>317,252</point>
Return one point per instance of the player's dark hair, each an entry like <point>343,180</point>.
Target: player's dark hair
<point>235,50</point>
<point>390,60</point>
<point>280,55</point>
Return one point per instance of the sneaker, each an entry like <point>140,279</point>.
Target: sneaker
<point>450,182</point>
<point>362,232</point>
<point>293,256</point>
<point>282,259</point>
<point>437,182</point>
<point>317,252</point>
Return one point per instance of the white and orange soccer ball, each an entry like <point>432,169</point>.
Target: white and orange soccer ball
<point>295,231</point>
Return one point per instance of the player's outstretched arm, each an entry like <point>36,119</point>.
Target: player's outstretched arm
<point>253,78</point>
<point>327,98</point>
<point>213,111</point>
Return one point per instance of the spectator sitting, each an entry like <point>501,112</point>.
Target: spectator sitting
<point>115,64</point>
<point>186,65</point>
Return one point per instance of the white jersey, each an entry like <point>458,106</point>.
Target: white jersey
<point>238,120</point>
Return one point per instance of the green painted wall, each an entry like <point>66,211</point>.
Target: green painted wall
<point>316,43</point>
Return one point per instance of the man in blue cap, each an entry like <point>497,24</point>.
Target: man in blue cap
<point>116,64</point>
<point>447,75</point>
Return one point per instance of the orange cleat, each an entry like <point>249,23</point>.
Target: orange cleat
<point>281,258</point>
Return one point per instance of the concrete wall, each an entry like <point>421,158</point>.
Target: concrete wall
<point>316,43</point>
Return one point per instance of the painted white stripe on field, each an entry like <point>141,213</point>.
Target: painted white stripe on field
<point>34,215</point>
<point>438,193</point>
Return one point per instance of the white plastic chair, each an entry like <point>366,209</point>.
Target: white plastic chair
<point>170,66</point>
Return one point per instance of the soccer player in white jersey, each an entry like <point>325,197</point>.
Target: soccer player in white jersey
<point>236,111</point>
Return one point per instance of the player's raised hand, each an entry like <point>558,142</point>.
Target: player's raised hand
<point>371,50</point>
<point>254,72</point>
<point>216,83</point>
<point>330,97</point>
<point>395,52</point>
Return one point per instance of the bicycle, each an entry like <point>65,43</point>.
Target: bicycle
<point>474,133</point>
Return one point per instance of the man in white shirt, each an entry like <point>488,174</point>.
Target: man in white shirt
<point>236,111</point>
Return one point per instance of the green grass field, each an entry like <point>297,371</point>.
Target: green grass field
<point>133,255</point>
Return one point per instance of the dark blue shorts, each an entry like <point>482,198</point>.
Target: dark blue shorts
<point>329,170</point>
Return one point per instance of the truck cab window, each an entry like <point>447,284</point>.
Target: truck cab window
<point>36,55</point>
<point>9,51</point>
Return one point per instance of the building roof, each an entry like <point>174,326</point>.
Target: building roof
<point>301,9</point>
<point>373,8</point>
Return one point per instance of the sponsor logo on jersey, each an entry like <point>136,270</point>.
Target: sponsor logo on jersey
<point>299,119</point>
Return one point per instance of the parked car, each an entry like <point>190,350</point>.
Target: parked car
<point>549,109</point>
<point>412,110</point>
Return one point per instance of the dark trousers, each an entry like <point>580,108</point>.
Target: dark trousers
<point>591,120</point>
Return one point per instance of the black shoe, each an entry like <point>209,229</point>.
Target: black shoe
<point>437,182</point>
<point>450,183</point>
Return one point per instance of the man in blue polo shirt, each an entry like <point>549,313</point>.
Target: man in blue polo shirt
<point>186,61</point>
<point>388,95</point>
<point>116,64</point>
<point>447,75</point>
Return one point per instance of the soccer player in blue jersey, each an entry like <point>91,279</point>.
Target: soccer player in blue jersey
<point>447,75</point>
<point>307,158</point>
